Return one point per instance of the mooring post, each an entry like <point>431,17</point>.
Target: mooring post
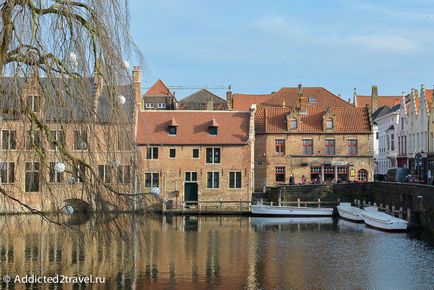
<point>393,210</point>
<point>400,212</point>
<point>408,215</point>
<point>387,208</point>
<point>319,202</point>
<point>298,202</point>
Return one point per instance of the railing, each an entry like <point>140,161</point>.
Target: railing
<point>300,203</point>
<point>392,210</point>
<point>215,206</point>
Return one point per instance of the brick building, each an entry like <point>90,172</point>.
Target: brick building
<point>312,134</point>
<point>159,97</point>
<point>203,100</point>
<point>78,117</point>
<point>196,155</point>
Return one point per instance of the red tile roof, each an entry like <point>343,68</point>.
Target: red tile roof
<point>193,128</point>
<point>390,101</point>
<point>243,102</point>
<point>428,96</point>
<point>159,89</point>
<point>323,97</point>
<point>348,120</point>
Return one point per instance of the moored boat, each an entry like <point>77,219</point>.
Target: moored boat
<point>271,210</point>
<point>349,212</point>
<point>383,221</point>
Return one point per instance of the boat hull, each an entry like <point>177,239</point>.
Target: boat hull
<point>384,222</point>
<point>267,210</point>
<point>352,214</point>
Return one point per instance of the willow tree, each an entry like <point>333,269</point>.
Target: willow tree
<point>63,69</point>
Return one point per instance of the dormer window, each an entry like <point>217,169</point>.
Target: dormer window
<point>329,123</point>
<point>161,105</point>
<point>33,103</point>
<point>172,128</point>
<point>312,99</point>
<point>213,128</point>
<point>293,123</point>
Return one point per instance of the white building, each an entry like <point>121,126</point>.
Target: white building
<point>386,123</point>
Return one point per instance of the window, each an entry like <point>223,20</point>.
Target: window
<point>315,170</point>
<point>33,103</point>
<point>392,142</point>
<point>307,147</point>
<point>7,172</point>
<point>280,173</point>
<point>191,176</point>
<point>362,175</point>
<point>329,123</point>
<point>172,153</point>
<point>402,123</point>
<point>280,146</point>
<point>79,172</point>
<point>55,177</point>
<point>213,180</point>
<point>293,123</point>
<point>235,179</point>
<point>80,140</point>
<point>105,173</point>
<point>149,105</point>
<point>152,153</point>
<point>172,130</point>
<point>9,140</point>
<point>161,105</point>
<point>376,135</point>
<point>151,180</point>
<point>330,147</point>
<point>33,140</point>
<point>124,142</point>
<point>124,173</point>
<point>213,155</point>
<point>32,177</point>
<point>312,100</point>
<point>213,130</point>
<point>195,153</point>
<point>58,137</point>
<point>352,147</point>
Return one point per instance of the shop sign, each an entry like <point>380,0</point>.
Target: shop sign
<point>352,172</point>
<point>339,163</point>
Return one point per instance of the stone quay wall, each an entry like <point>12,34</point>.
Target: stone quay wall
<point>418,198</point>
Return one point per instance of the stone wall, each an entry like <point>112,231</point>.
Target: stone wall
<point>418,198</point>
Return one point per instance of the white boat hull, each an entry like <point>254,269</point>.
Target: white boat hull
<point>276,221</point>
<point>268,210</point>
<point>384,221</point>
<point>350,213</point>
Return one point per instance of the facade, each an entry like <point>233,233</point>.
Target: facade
<point>413,132</point>
<point>196,156</point>
<point>303,135</point>
<point>203,100</point>
<point>159,97</point>
<point>81,127</point>
<point>386,124</point>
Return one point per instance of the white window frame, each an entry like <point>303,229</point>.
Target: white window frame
<point>213,179</point>
<point>149,105</point>
<point>162,105</point>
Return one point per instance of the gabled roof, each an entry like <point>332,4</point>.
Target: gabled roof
<point>200,99</point>
<point>348,120</point>
<point>243,102</point>
<point>159,89</point>
<point>323,97</point>
<point>389,101</point>
<point>380,112</point>
<point>193,128</point>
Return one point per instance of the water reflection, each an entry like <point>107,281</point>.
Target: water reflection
<point>176,252</point>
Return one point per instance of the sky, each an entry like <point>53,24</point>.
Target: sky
<point>259,46</point>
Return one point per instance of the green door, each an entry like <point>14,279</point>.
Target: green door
<point>190,190</point>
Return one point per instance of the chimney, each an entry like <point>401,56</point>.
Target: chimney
<point>229,99</point>
<point>136,86</point>
<point>374,99</point>
<point>210,105</point>
<point>301,101</point>
<point>355,97</point>
<point>98,80</point>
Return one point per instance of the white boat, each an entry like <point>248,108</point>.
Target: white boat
<point>349,212</point>
<point>271,210</point>
<point>383,221</point>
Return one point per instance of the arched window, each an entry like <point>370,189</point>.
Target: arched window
<point>362,175</point>
<point>294,124</point>
<point>329,123</point>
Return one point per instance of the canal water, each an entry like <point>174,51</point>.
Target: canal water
<point>159,252</point>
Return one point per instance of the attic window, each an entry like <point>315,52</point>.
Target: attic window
<point>312,99</point>
<point>172,127</point>
<point>329,123</point>
<point>213,130</point>
<point>293,123</point>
